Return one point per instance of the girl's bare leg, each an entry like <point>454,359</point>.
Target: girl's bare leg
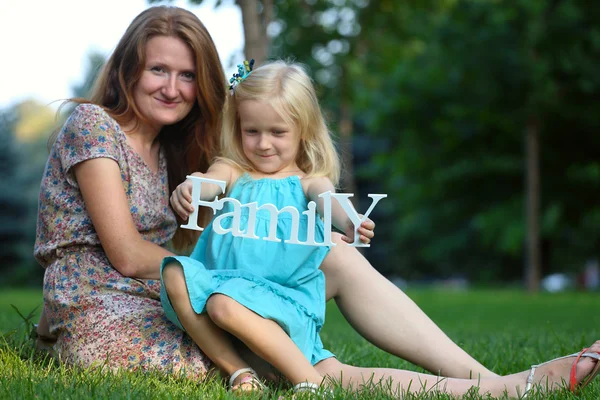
<point>211,339</point>
<point>550,377</point>
<point>263,337</point>
<point>398,326</point>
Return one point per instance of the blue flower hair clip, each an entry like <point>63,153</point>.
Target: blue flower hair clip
<point>244,70</point>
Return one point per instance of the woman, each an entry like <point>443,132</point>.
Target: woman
<point>104,218</point>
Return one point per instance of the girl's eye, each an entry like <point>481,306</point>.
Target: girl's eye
<point>250,131</point>
<point>157,69</point>
<point>279,133</point>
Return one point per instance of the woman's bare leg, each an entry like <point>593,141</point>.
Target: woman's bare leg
<point>43,328</point>
<point>550,377</point>
<point>399,326</point>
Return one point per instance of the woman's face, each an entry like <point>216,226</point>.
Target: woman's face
<point>166,91</point>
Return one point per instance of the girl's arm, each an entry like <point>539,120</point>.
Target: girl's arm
<point>181,198</point>
<point>339,218</point>
<point>99,180</point>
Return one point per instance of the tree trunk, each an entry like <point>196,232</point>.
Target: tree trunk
<point>345,126</point>
<point>255,31</point>
<point>533,267</point>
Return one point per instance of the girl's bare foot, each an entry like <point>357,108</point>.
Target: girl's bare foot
<point>245,380</point>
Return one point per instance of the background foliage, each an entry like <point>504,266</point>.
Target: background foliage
<point>431,102</point>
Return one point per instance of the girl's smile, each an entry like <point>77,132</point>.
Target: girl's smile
<point>269,142</point>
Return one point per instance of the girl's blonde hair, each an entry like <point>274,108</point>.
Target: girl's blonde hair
<point>289,90</point>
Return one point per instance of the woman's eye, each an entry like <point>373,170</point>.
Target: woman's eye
<point>157,69</point>
<point>189,76</point>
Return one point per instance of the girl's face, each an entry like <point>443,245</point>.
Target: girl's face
<point>270,143</point>
<point>166,91</point>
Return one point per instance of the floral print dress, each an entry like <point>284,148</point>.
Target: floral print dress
<point>99,316</point>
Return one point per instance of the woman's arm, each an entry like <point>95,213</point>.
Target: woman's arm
<point>99,180</point>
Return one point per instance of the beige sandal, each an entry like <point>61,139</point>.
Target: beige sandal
<point>573,376</point>
<point>252,380</point>
<point>312,389</point>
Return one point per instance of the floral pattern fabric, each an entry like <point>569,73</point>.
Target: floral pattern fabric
<point>100,316</point>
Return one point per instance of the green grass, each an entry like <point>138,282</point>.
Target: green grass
<point>507,331</point>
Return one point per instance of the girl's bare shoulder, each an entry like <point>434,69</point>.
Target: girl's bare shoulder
<point>315,185</point>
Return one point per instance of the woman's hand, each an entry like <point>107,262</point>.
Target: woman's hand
<point>365,232</point>
<point>181,199</point>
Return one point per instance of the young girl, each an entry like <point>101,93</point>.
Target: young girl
<point>270,295</point>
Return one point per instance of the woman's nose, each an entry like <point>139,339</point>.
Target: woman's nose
<point>169,89</point>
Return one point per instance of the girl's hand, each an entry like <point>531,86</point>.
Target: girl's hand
<point>365,232</point>
<point>181,199</point>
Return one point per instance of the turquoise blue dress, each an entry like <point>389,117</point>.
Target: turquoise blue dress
<point>278,281</point>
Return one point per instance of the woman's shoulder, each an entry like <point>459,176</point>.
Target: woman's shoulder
<point>90,113</point>
<point>90,130</point>
<point>87,122</point>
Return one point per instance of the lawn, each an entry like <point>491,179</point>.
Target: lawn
<point>505,330</point>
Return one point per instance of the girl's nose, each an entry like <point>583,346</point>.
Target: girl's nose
<point>264,143</point>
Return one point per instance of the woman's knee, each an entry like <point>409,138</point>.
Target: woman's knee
<point>335,267</point>
<point>346,375</point>
<point>223,310</point>
<point>331,367</point>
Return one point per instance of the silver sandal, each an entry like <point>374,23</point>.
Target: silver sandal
<point>313,389</point>
<point>251,379</point>
<point>573,375</point>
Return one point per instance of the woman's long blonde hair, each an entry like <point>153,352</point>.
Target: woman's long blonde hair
<point>289,90</point>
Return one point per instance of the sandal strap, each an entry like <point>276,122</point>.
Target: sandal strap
<point>240,371</point>
<point>252,380</point>
<point>573,373</point>
<point>306,387</point>
<point>529,380</point>
<point>322,392</point>
<point>588,379</point>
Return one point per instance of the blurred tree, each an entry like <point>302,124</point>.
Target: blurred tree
<point>34,120</point>
<point>95,62</point>
<point>12,207</point>
<point>24,132</point>
<point>26,127</point>
<point>83,90</point>
<point>439,98</point>
<point>257,16</point>
<point>454,103</point>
